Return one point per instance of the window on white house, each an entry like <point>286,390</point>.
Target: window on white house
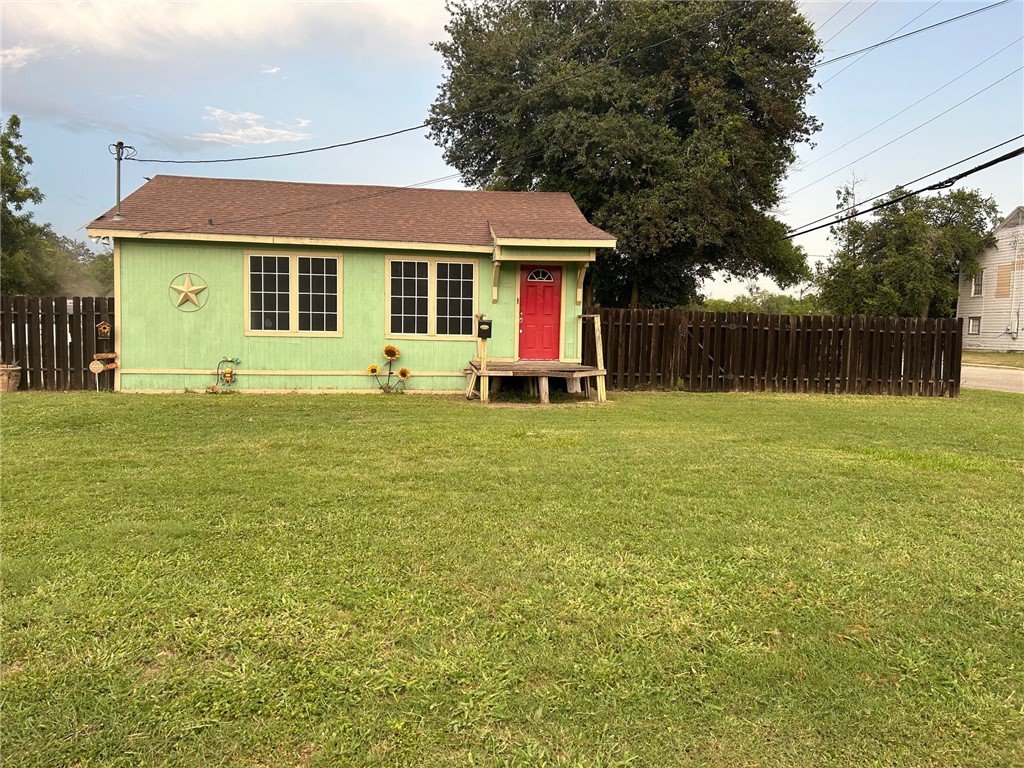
<point>974,326</point>
<point>976,283</point>
<point>293,294</point>
<point>431,298</point>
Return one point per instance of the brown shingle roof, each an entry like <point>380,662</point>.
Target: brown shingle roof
<point>184,204</point>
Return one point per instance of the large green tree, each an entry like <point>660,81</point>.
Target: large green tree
<point>905,260</point>
<point>670,123</point>
<point>23,242</point>
<point>33,258</point>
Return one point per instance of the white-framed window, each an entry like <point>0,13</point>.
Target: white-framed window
<point>292,294</point>
<point>410,297</point>
<point>973,326</point>
<point>433,297</point>
<point>977,283</point>
<point>455,294</point>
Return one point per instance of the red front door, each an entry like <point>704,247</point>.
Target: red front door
<point>540,312</point>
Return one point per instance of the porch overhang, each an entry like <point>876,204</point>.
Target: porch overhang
<point>499,254</point>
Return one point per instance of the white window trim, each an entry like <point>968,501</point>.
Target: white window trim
<point>970,322</point>
<point>978,285</point>
<point>293,294</point>
<point>432,262</point>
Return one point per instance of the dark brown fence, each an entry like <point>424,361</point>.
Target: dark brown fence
<point>54,339</point>
<point>727,351</point>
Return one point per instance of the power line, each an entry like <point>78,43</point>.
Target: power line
<point>937,186</point>
<point>922,13</point>
<point>542,86</point>
<point>907,133</point>
<point>911,34</point>
<point>833,37</point>
<point>379,193</point>
<point>841,9</point>
<point>905,109</point>
<point>388,190</point>
<point>539,87</point>
<point>913,181</point>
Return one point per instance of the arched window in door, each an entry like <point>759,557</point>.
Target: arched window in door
<point>540,276</point>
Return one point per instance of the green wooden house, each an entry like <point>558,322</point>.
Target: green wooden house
<point>306,283</point>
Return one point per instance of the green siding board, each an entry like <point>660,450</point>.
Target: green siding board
<point>250,381</point>
<point>155,335</point>
<point>572,312</point>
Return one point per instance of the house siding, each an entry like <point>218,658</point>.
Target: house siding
<point>1001,305</point>
<point>163,348</point>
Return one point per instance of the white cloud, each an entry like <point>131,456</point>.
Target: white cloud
<point>270,70</point>
<point>158,30</point>
<point>242,128</point>
<point>17,57</point>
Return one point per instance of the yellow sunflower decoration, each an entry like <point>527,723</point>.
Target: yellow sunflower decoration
<point>387,378</point>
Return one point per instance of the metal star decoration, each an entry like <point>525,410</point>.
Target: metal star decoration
<point>188,291</point>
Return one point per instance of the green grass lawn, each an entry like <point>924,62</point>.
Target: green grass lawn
<point>993,359</point>
<point>667,580</point>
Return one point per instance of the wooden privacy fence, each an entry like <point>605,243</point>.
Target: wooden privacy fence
<point>727,351</point>
<point>53,339</point>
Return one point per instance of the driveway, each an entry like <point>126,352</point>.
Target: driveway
<point>1001,379</point>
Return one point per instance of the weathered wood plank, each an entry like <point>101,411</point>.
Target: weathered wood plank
<point>21,326</point>
<point>78,376</point>
<point>958,339</point>
<point>61,347</point>
<point>35,353</point>
<point>89,338</point>
<point>7,323</point>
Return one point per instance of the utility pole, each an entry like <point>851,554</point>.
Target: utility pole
<point>121,152</point>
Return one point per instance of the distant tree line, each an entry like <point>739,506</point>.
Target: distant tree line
<point>765,302</point>
<point>35,260</point>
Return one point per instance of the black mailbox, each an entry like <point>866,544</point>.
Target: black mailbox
<point>483,329</point>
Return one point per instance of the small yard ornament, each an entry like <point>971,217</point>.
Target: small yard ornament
<point>392,381</point>
<point>103,330</point>
<point>225,376</point>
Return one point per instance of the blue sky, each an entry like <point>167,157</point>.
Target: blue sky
<point>208,80</point>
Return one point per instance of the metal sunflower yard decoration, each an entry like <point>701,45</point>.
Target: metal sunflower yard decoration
<point>387,379</point>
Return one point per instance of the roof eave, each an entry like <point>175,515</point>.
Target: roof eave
<point>537,242</point>
<point>287,240</point>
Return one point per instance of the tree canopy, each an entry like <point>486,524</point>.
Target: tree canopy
<point>906,260</point>
<point>33,258</point>
<point>670,123</point>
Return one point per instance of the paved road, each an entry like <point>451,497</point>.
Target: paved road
<point>1001,379</point>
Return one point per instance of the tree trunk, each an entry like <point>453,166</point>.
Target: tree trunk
<point>634,295</point>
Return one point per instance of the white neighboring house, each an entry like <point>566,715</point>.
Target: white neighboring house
<point>991,304</point>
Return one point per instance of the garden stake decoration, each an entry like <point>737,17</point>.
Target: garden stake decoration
<point>386,380</point>
<point>225,377</point>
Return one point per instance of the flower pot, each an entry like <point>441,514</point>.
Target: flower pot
<point>10,378</point>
